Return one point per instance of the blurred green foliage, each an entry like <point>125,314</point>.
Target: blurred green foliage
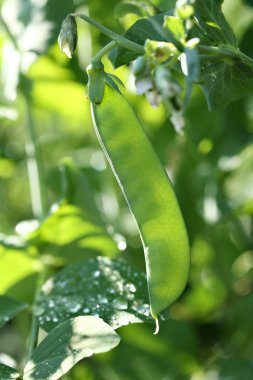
<point>209,335</point>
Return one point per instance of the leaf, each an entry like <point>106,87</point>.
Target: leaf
<point>111,289</point>
<point>75,188</point>
<point>139,32</point>
<point>123,9</point>
<point>226,80</point>
<point>8,373</point>
<point>18,271</point>
<point>175,26</point>
<point>192,71</point>
<point>67,344</point>
<point>9,308</point>
<point>71,233</point>
<point>212,22</point>
<point>163,5</point>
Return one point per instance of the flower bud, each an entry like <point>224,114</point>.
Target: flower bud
<point>67,39</point>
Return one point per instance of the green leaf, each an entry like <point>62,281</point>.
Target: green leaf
<point>212,22</point>
<point>76,190</point>
<point>8,373</point>
<point>163,5</point>
<point>9,308</point>
<point>192,72</point>
<point>67,344</point>
<point>72,235</point>
<point>225,80</point>
<point>18,272</point>
<point>123,9</point>
<point>111,289</point>
<point>139,32</point>
<point>175,26</point>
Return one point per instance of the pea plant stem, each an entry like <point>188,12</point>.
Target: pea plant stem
<point>35,166</point>
<point>103,51</point>
<point>122,41</point>
<point>34,331</point>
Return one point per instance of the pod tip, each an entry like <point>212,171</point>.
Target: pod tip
<point>156,326</point>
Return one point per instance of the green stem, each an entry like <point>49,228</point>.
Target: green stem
<point>35,166</point>
<point>122,41</point>
<point>33,338</point>
<point>103,51</point>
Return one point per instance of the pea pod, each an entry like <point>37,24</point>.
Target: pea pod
<point>149,195</point>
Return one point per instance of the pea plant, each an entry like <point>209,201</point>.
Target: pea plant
<point>78,304</point>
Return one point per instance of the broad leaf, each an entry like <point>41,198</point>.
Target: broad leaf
<point>9,308</point>
<point>18,272</point>
<point>8,373</point>
<point>110,289</point>
<point>67,344</point>
<point>139,32</point>
<point>212,22</point>
<point>123,9</point>
<point>225,80</point>
<point>72,234</point>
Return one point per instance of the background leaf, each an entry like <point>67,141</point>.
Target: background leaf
<point>9,308</point>
<point>67,344</point>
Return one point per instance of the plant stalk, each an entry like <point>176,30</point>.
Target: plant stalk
<point>34,332</point>
<point>122,41</point>
<point>35,166</point>
<point>103,51</point>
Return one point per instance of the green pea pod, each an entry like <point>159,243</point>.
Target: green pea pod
<point>149,195</point>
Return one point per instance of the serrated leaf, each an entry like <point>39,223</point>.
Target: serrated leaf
<point>226,80</point>
<point>111,289</point>
<point>67,344</point>
<point>8,373</point>
<point>139,32</point>
<point>9,308</point>
<point>212,22</point>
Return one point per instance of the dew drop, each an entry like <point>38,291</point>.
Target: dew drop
<point>131,287</point>
<point>120,303</point>
<point>96,274</point>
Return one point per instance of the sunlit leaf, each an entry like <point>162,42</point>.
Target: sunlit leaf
<point>67,344</point>
<point>111,289</point>
<point>18,271</point>
<point>72,234</point>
